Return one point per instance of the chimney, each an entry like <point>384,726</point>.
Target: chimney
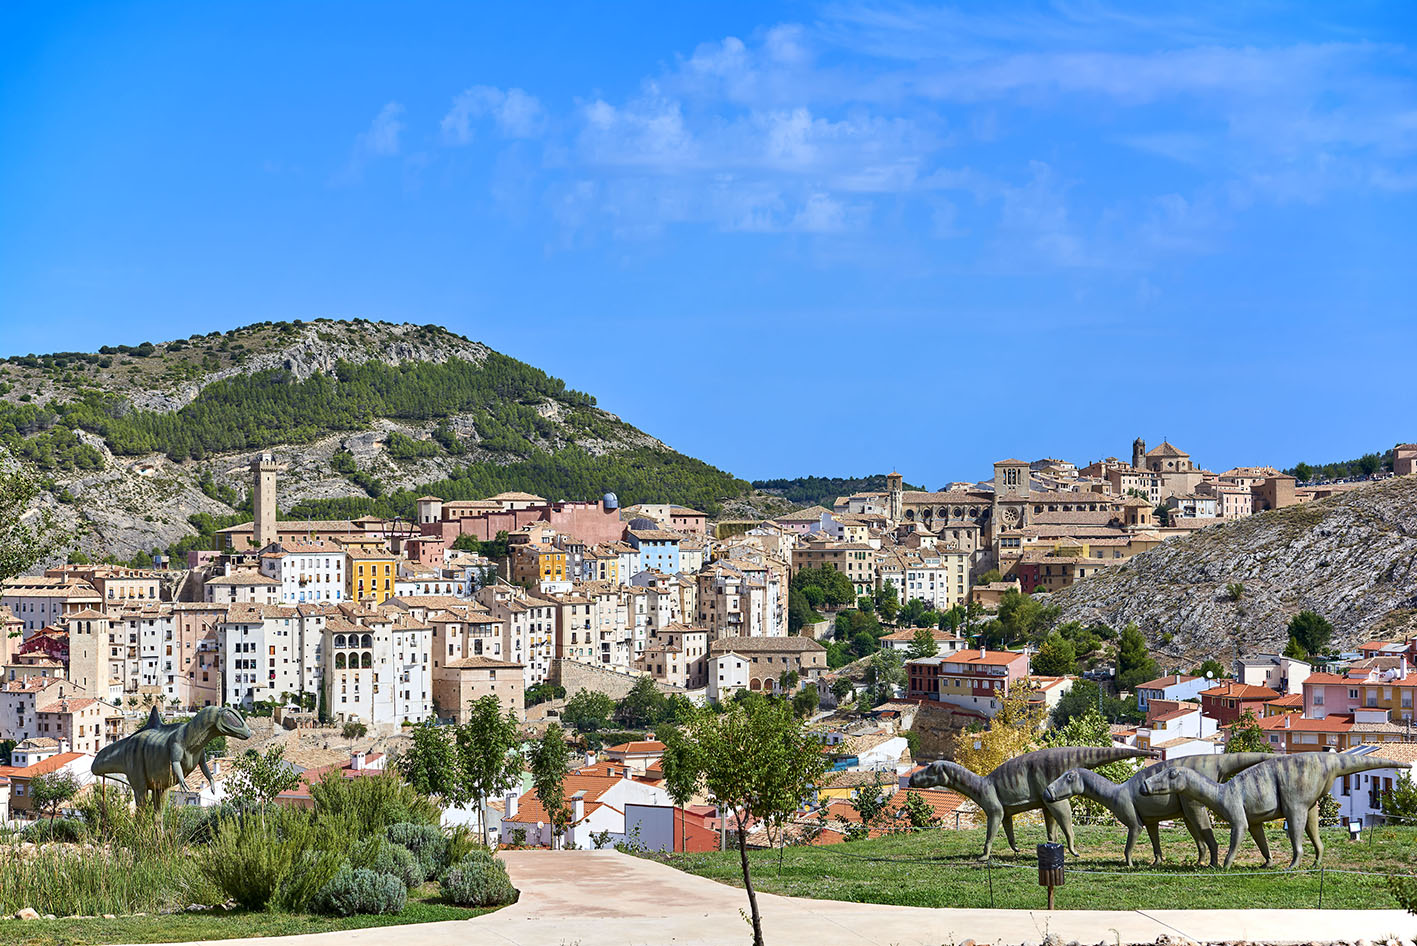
<point>982,649</point>
<point>511,807</point>
<point>356,761</point>
<point>577,807</point>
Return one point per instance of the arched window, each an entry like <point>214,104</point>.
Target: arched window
<point>339,640</point>
<point>755,684</point>
<point>339,661</point>
<point>368,661</point>
<point>366,641</point>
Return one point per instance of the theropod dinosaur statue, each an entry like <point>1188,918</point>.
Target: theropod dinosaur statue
<point>161,755</point>
<point>1018,785</point>
<point>1286,787</point>
<point>1136,810</point>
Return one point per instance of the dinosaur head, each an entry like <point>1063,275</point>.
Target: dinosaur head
<point>229,722</point>
<point>1064,786</point>
<point>1172,778</point>
<point>937,774</point>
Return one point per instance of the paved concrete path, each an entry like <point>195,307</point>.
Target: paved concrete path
<point>601,898</point>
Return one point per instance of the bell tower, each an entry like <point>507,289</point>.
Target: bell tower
<point>263,499</point>
<point>1138,454</point>
<point>895,496</point>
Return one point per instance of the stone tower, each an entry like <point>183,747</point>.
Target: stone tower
<point>263,499</point>
<point>1138,454</point>
<point>895,497</point>
<point>89,652</point>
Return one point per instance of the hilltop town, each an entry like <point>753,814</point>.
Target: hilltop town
<point>894,619</point>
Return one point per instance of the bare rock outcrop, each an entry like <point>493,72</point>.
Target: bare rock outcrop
<point>1350,557</point>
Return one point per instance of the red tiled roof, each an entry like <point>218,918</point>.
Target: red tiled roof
<point>43,767</point>
<point>1243,691</point>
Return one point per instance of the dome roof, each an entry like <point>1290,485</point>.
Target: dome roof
<point>610,501</point>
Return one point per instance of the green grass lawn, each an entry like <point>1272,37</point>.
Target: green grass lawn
<point>940,868</point>
<point>423,907</point>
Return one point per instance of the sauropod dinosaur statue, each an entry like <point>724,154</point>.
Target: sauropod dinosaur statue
<point>1288,786</point>
<point>1136,809</point>
<point>1018,785</point>
<point>161,755</point>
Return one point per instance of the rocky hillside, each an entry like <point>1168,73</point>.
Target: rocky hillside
<point>1351,558</point>
<point>141,447</point>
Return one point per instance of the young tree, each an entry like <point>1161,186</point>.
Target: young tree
<point>49,792</point>
<point>1134,664</point>
<point>431,764</point>
<point>886,672</point>
<point>841,688</point>
<point>1013,731</point>
<point>489,759</point>
<point>806,700</point>
<point>758,763</point>
<point>1400,804</point>
<point>919,812</point>
<point>787,680</point>
<point>1245,735</point>
<point>887,602</point>
<point>1055,658</point>
<point>550,760</point>
<point>922,644</point>
<point>1295,650</point>
<point>682,772</point>
<point>257,778</point>
<point>642,706</point>
<point>1235,591</point>
<point>1312,630</point>
<point>1210,665</point>
<point>588,711</point>
<point>871,804</point>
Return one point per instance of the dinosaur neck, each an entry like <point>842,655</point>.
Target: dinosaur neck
<point>1099,786</point>
<point>197,733</point>
<point>1203,788</point>
<point>967,782</point>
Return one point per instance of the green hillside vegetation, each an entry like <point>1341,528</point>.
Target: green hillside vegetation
<point>272,407</point>
<point>823,490</point>
<point>639,475</point>
<point>1366,465</point>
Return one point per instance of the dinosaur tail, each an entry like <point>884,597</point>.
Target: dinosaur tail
<point>1089,756</point>
<point>1347,765</point>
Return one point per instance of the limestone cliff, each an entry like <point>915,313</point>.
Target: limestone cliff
<point>1351,558</point>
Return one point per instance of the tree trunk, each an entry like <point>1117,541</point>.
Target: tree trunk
<point>748,883</point>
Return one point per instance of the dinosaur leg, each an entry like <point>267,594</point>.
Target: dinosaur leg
<point>1237,824</point>
<point>991,829</point>
<point>1009,832</point>
<point>1295,821</point>
<point>1153,831</point>
<point>1261,842</point>
<point>1311,828</point>
<point>1047,823</point>
<point>1197,821</point>
<point>1063,813</point>
<point>1131,843</point>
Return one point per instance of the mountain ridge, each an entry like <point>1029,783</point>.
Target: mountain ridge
<point>134,441</point>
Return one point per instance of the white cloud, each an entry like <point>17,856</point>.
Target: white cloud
<point>516,113</point>
<point>382,138</point>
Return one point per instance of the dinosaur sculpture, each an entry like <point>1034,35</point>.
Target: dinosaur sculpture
<point>1286,787</point>
<point>161,755</point>
<point>1018,785</point>
<point>1136,809</point>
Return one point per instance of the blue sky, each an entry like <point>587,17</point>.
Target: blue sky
<point>788,239</point>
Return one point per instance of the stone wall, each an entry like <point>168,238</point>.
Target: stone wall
<point>575,676</point>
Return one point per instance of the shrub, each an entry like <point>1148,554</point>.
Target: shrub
<point>69,830</point>
<point>478,880</point>
<point>425,841</point>
<point>360,890</point>
<point>385,857</point>
<point>462,841</point>
<point>279,859</point>
<point>367,806</point>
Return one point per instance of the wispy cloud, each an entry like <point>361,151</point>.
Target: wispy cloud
<point>515,113</point>
<point>822,127</point>
<point>379,140</point>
